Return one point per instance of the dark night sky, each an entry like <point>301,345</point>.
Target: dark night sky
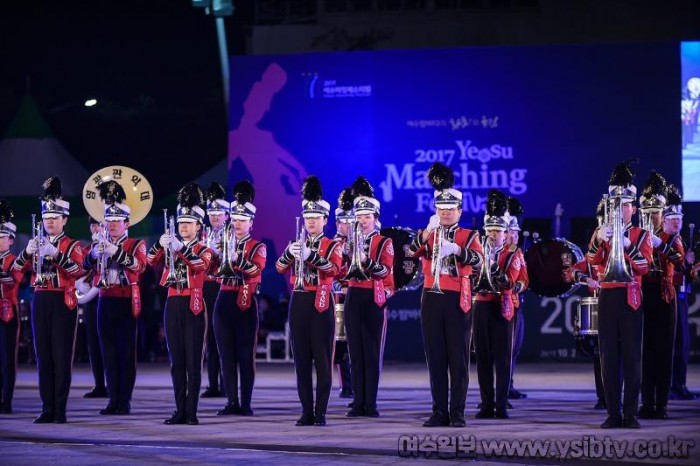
<point>152,64</point>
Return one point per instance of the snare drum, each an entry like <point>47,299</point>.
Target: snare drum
<point>586,320</point>
<point>340,334</point>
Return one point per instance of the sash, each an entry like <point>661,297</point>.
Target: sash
<point>507,306</point>
<point>634,295</point>
<point>70,299</point>
<point>7,312</point>
<point>196,301</point>
<point>135,300</point>
<point>323,298</point>
<point>244,300</point>
<point>465,294</point>
<point>379,294</point>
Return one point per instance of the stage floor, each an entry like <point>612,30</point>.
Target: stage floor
<point>558,410</point>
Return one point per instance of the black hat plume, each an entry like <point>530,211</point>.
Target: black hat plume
<point>190,195</point>
<point>496,205</point>
<point>515,208</point>
<point>215,191</point>
<point>361,187</point>
<point>345,199</point>
<point>52,189</point>
<point>622,174</point>
<point>673,195</point>
<point>441,176</point>
<point>243,192</point>
<point>111,192</point>
<point>311,189</point>
<point>655,185</point>
<point>6,212</point>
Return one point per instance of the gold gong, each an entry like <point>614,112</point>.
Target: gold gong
<point>139,194</point>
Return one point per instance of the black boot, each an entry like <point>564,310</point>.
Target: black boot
<point>438,419</point>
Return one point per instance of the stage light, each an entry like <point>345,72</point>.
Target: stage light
<point>222,7</point>
<point>90,102</point>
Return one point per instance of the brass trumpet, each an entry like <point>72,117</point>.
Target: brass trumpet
<point>616,269</point>
<point>40,280</point>
<point>173,277</point>
<point>299,261</point>
<point>436,261</point>
<point>355,271</point>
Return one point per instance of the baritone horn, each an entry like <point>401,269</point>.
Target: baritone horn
<point>299,261</point>
<point>355,271</point>
<point>40,279</point>
<point>616,269</point>
<point>436,261</point>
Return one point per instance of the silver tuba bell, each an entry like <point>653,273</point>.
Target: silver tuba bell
<point>616,268</point>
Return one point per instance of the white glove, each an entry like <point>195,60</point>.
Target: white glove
<point>592,284</point>
<point>626,242</point>
<point>95,251</point>
<point>604,233</point>
<point>295,249</point>
<point>165,240</point>
<point>656,241</point>
<point>433,223</point>
<point>448,248</point>
<point>31,247</point>
<point>82,286</point>
<point>110,249</point>
<point>97,237</point>
<point>48,249</point>
<point>214,248</point>
<point>112,276</point>
<point>176,244</point>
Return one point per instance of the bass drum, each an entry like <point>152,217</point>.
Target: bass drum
<point>407,271</point>
<point>547,261</point>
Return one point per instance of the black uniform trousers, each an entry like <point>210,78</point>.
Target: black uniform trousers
<point>312,335</point>
<point>185,334</point>
<point>93,343</point>
<point>446,330</point>
<point>117,326</point>
<point>657,350</point>
<point>54,326</point>
<point>9,336</point>
<point>237,337</point>
<point>518,338</point>
<point>365,323</point>
<point>681,348</point>
<point>493,344</point>
<point>211,293</point>
<point>620,340</point>
<point>597,371</point>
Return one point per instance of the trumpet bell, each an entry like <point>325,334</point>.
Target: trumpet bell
<point>139,194</point>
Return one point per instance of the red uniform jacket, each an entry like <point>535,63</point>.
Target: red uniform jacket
<point>252,256</point>
<point>669,256</point>
<point>191,264</point>
<point>340,285</point>
<point>379,267</point>
<point>504,275</point>
<point>9,286</point>
<point>129,262</point>
<point>523,280</point>
<point>62,270</point>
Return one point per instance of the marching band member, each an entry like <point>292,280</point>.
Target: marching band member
<point>494,310</point>
<point>316,260</point>
<point>236,323</point>
<point>92,337</point>
<point>586,274</point>
<point>54,317</point>
<point>118,262</point>
<point>186,264</point>
<point>217,211</point>
<point>521,284</point>
<point>620,315</point>
<point>682,283</point>
<point>344,222</point>
<point>452,253</point>
<point>369,287</point>
<point>9,312</point>
<point>660,300</point>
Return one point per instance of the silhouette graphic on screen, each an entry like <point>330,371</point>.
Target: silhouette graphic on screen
<point>276,173</point>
